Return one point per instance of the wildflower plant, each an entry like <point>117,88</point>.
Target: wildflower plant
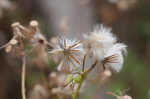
<point>102,47</point>
<point>97,49</point>
<point>24,40</point>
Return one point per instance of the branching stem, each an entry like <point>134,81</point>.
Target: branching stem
<point>83,77</point>
<point>91,68</point>
<point>76,93</point>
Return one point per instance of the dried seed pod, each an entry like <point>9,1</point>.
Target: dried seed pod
<point>13,41</point>
<point>8,48</point>
<point>34,27</point>
<point>15,24</point>
<point>34,23</point>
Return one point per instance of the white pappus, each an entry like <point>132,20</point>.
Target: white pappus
<point>70,52</point>
<point>99,41</point>
<point>102,46</point>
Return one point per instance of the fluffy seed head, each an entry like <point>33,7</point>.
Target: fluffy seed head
<point>114,57</point>
<point>99,41</point>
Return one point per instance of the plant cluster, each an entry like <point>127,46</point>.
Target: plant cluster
<point>97,53</point>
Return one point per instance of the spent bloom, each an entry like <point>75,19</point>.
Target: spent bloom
<point>70,52</point>
<point>102,45</point>
<point>114,57</point>
<point>99,41</point>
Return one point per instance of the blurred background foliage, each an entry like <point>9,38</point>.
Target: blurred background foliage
<point>129,19</point>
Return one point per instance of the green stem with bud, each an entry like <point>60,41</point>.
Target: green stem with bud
<point>76,93</point>
<point>83,76</point>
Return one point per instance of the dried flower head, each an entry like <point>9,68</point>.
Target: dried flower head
<point>114,57</point>
<point>13,41</point>
<point>103,46</point>
<point>26,40</point>
<point>70,52</point>
<point>99,41</point>
<point>8,48</point>
<point>34,23</point>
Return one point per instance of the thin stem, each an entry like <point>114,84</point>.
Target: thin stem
<point>76,94</point>
<point>83,76</point>
<point>84,62</point>
<point>23,77</point>
<point>7,44</point>
<point>92,67</point>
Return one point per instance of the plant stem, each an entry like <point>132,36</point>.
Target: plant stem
<point>23,73</point>
<point>83,76</point>
<point>76,94</point>
<point>91,68</point>
<point>84,62</point>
